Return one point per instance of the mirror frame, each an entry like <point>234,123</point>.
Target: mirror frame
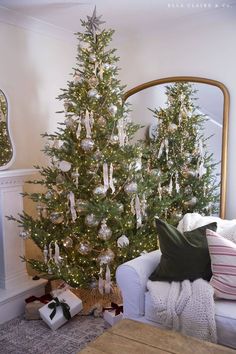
<point>11,161</point>
<point>224,149</point>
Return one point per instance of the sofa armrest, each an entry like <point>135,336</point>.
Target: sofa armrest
<point>132,278</point>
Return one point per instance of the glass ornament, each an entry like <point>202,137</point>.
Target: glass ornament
<point>122,241</point>
<point>93,93</point>
<point>60,179</point>
<point>87,144</point>
<point>114,139</point>
<point>68,242</point>
<point>91,220</point>
<point>191,202</point>
<point>104,233</point>
<point>188,190</point>
<point>93,81</point>
<point>106,256</point>
<point>99,191</point>
<point>84,247</point>
<point>187,173</point>
<point>49,194</point>
<point>172,127</point>
<point>92,58</point>
<point>112,109</point>
<point>56,217</point>
<point>24,234</point>
<point>64,166</point>
<point>131,187</point>
<point>81,205</point>
<point>97,155</point>
<point>102,122</point>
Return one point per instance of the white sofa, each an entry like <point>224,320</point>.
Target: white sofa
<point>132,278</point>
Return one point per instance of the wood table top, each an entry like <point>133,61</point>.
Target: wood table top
<point>132,337</point>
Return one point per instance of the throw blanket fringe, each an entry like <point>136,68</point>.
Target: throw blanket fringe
<point>185,307</point>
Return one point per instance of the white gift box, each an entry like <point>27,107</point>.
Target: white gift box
<point>111,317</point>
<point>58,320</point>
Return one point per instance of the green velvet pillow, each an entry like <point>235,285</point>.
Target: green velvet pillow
<point>184,256</point>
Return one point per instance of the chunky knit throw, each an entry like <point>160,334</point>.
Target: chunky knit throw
<point>185,307</point>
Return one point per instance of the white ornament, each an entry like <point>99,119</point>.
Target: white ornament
<point>122,241</point>
<point>104,233</point>
<point>87,144</point>
<point>64,166</point>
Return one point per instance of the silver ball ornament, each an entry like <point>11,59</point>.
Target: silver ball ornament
<point>113,109</point>
<point>84,247</point>
<point>170,163</point>
<point>87,144</point>
<point>93,81</point>
<point>172,127</point>
<point>188,173</point>
<point>56,217</point>
<point>114,139</point>
<point>188,190</point>
<point>104,233</point>
<point>191,202</point>
<point>60,179</point>
<point>99,191</point>
<point>92,58</point>
<point>64,166</point>
<point>97,155</point>
<point>122,241</point>
<point>68,242</point>
<point>91,220</point>
<point>49,194</point>
<point>102,122</point>
<point>24,234</point>
<point>93,93</point>
<point>81,205</point>
<point>131,187</point>
<point>106,256</point>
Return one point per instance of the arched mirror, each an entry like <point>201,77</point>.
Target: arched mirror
<point>212,101</point>
<point>6,145</point>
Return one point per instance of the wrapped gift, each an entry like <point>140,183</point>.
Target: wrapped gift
<point>60,309</point>
<point>33,304</point>
<point>113,314</point>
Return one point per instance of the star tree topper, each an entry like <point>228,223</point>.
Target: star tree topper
<point>94,22</point>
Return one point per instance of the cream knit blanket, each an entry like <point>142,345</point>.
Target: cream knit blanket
<point>185,307</point>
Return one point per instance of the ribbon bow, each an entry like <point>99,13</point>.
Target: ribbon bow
<point>118,308</point>
<point>44,299</point>
<point>65,308</point>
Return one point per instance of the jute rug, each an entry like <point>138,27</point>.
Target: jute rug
<point>20,336</point>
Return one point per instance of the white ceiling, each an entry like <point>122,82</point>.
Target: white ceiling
<point>133,16</point>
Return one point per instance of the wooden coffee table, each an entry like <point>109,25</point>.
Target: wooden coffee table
<point>132,337</point>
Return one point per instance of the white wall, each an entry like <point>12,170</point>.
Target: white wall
<point>199,46</point>
<point>33,68</point>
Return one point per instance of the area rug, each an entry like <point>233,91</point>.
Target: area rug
<point>20,336</point>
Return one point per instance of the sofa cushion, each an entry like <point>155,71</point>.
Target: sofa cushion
<point>223,264</point>
<point>184,255</point>
<point>225,315</point>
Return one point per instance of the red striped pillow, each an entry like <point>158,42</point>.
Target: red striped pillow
<point>223,265</point>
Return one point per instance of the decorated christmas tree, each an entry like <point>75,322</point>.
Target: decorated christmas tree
<point>178,150</point>
<point>6,149</point>
<point>95,211</point>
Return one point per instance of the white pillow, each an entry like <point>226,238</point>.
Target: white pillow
<point>225,228</point>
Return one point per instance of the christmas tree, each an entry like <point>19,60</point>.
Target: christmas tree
<point>6,149</point>
<point>179,151</point>
<point>92,215</point>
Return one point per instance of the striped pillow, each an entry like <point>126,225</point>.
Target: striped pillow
<point>223,265</point>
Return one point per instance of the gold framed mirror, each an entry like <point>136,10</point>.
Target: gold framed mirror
<point>222,103</point>
<point>6,145</point>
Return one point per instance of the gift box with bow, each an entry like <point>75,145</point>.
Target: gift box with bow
<point>33,304</point>
<point>60,309</point>
<point>113,314</point>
